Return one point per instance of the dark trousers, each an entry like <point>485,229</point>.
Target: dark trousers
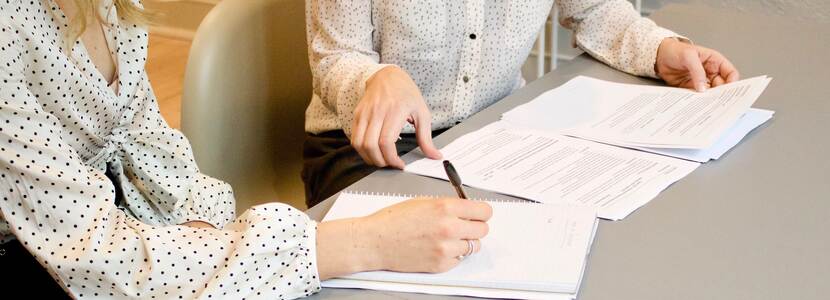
<point>331,164</point>
<point>21,273</point>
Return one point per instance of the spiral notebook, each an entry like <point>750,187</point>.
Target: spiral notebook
<point>533,250</point>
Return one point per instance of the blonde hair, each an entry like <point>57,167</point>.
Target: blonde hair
<point>88,9</point>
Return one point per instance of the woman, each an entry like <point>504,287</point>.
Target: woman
<point>98,190</point>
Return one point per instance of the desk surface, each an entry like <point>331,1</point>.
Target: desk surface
<point>752,225</point>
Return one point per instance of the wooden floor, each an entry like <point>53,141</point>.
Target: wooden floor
<point>166,61</point>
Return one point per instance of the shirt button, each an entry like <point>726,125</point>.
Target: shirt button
<point>472,36</point>
<point>465,79</point>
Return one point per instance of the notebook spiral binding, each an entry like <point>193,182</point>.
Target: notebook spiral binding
<point>386,194</point>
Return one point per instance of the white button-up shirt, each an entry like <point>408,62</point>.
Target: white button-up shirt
<point>463,55</point>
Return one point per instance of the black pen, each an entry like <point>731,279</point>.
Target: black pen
<point>455,180</point>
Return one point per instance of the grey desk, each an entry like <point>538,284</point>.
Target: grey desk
<point>752,225</point>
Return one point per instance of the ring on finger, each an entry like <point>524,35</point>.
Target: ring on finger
<point>470,249</point>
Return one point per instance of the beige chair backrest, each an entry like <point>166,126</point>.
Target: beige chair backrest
<point>246,88</point>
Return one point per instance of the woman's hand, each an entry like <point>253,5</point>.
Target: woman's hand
<point>684,65</point>
<point>417,235</point>
<point>427,234</point>
<point>391,99</point>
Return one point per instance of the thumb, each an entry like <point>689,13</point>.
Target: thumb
<point>423,133</point>
<point>697,74</point>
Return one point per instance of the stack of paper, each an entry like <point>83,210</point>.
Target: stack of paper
<point>603,146</point>
<point>669,121</point>
<point>533,251</point>
<point>552,168</point>
<point>586,142</point>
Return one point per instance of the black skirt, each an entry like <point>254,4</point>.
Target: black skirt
<point>19,271</point>
<point>331,164</point>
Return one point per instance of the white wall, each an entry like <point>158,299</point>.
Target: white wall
<point>815,10</point>
<point>812,10</point>
<point>180,18</point>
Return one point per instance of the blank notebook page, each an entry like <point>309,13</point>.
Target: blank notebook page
<point>530,246</point>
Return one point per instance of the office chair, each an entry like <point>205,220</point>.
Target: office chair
<point>246,88</point>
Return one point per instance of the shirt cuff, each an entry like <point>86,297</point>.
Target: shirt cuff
<point>210,200</point>
<point>314,284</point>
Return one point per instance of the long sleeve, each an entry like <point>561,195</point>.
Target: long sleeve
<point>161,183</point>
<point>614,33</point>
<point>62,211</point>
<point>341,53</point>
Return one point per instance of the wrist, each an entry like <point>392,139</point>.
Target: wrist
<point>661,50</point>
<point>382,73</point>
<point>345,247</point>
<point>666,51</point>
<point>367,240</point>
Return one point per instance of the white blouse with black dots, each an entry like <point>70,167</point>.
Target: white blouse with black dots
<point>463,55</point>
<point>62,128</point>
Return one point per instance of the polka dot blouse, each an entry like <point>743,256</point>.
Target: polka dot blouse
<point>463,55</point>
<point>65,134</point>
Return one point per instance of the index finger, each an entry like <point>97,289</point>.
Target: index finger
<point>423,133</point>
<point>697,74</point>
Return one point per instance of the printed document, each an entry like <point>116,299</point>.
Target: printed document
<point>639,115</point>
<point>552,168</point>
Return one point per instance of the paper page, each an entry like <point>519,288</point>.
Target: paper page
<point>444,290</point>
<point>560,237</point>
<point>752,119</point>
<point>639,115</point>
<point>551,168</point>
